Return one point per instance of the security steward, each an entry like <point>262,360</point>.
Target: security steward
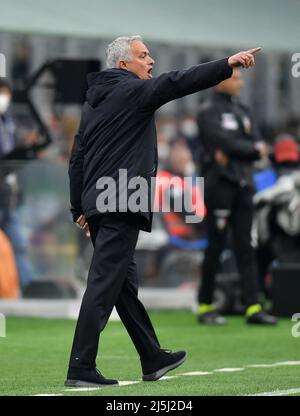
<point>231,142</point>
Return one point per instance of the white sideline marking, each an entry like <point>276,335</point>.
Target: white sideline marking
<point>261,365</point>
<point>167,377</point>
<point>121,383</point>
<point>228,370</point>
<point>83,389</point>
<point>277,392</point>
<point>278,364</point>
<point>127,383</point>
<point>288,363</point>
<point>196,373</point>
<point>200,373</point>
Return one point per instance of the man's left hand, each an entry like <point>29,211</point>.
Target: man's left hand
<point>84,225</point>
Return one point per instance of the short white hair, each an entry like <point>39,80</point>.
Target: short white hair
<point>119,50</point>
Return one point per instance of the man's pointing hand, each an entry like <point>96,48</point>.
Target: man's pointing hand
<point>244,58</point>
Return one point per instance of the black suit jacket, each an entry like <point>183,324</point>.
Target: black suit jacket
<point>227,124</point>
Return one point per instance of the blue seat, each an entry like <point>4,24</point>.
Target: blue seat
<point>188,245</point>
<point>264,179</point>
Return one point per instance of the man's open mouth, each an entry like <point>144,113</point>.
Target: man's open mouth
<point>150,72</point>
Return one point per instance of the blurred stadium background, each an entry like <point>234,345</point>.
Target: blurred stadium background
<point>49,47</point>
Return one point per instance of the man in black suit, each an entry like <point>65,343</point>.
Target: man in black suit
<point>117,133</point>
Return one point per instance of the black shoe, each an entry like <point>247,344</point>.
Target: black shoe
<point>78,377</point>
<point>211,318</point>
<point>261,318</point>
<point>165,361</point>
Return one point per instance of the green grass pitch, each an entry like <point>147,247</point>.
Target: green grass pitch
<point>35,352</point>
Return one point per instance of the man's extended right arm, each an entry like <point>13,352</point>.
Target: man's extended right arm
<point>152,94</point>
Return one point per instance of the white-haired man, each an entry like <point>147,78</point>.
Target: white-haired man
<point>117,132</point>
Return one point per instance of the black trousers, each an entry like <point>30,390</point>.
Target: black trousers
<point>112,281</point>
<point>229,205</point>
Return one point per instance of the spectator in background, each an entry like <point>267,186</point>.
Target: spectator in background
<point>12,146</point>
<point>167,133</point>
<point>188,128</point>
<point>278,209</point>
<point>286,154</point>
<point>179,165</point>
<point>9,189</point>
<point>7,126</point>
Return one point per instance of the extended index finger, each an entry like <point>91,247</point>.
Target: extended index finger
<point>254,50</point>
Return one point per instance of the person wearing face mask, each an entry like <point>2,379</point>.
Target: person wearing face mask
<point>9,188</point>
<point>190,131</point>
<point>231,142</point>
<point>13,147</point>
<point>7,127</point>
<point>5,99</point>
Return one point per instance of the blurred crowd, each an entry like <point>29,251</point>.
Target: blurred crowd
<point>179,153</point>
<point>21,144</point>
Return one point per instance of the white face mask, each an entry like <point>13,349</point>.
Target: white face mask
<point>189,169</point>
<point>163,150</point>
<point>170,131</point>
<point>4,103</point>
<point>189,128</point>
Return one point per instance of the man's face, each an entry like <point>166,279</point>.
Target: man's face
<point>231,86</point>
<point>180,156</point>
<point>141,63</point>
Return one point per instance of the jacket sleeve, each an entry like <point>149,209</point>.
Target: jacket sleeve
<point>217,137</point>
<point>154,93</point>
<point>76,173</point>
